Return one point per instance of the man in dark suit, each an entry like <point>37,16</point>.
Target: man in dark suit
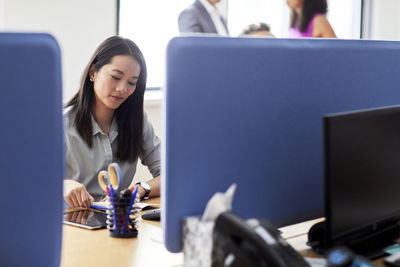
<point>202,17</point>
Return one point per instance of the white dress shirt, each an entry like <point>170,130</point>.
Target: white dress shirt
<point>84,163</point>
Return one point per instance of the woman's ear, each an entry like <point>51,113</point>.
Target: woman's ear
<point>91,73</point>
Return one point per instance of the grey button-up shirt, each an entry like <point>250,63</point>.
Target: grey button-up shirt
<point>84,163</point>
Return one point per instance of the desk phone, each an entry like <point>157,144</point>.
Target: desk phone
<point>251,243</point>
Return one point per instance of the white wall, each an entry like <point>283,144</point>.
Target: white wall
<point>345,16</point>
<point>273,12</point>
<point>1,14</point>
<point>78,25</point>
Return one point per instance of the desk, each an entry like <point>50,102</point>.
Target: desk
<point>81,247</point>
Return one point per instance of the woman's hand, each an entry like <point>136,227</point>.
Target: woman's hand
<point>76,194</point>
<point>106,198</point>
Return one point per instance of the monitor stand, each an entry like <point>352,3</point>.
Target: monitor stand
<point>372,245</point>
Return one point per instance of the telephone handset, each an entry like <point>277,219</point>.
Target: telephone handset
<point>251,243</point>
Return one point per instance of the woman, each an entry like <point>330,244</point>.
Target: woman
<point>308,19</point>
<point>105,123</point>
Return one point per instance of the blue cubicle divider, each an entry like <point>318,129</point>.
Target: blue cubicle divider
<point>249,111</point>
<point>31,150</point>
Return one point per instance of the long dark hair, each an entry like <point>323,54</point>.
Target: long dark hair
<point>129,115</point>
<point>310,8</point>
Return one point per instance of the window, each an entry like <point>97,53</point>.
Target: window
<point>345,18</point>
<point>152,23</point>
<point>273,12</point>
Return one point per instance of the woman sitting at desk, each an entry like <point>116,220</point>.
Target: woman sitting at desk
<point>105,123</point>
<point>308,19</point>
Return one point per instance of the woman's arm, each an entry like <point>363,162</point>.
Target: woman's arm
<point>75,193</point>
<point>154,185</point>
<point>322,28</point>
<point>151,157</point>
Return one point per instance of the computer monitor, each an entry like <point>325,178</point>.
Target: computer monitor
<point>249,111</point>
<point>362,170</point>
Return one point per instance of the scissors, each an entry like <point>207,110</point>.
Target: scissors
<point>111,178</point>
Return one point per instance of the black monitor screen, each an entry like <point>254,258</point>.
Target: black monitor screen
<point>362,157</point>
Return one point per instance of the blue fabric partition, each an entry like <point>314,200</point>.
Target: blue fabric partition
<point>31,154</point>
<point>249,111</point>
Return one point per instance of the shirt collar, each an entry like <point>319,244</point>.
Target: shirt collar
<point>96,128</point>
<point>113,129</point>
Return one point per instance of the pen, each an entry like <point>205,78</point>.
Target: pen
<point>134,195</point>
<point>126,200</point>
<point>128,211</point>
<point>97,207</point>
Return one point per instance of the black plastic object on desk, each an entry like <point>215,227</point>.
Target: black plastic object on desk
<point>152,215</point>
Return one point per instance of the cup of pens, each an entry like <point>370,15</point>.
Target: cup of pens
<point>121,213</point>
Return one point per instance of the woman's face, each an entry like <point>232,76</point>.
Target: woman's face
<point>295,4</point>
<point>116,81</point>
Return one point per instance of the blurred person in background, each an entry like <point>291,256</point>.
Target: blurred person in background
<point>203,16</point>
<point>258,29</point>
<point>308,19</point>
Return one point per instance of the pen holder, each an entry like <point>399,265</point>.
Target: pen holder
<point>122,217</point>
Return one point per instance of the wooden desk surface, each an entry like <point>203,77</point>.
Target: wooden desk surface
<point>81,247</point>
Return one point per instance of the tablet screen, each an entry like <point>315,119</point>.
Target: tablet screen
<point>87,218</point>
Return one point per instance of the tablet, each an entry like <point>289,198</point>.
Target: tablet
<point>86,218</point>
